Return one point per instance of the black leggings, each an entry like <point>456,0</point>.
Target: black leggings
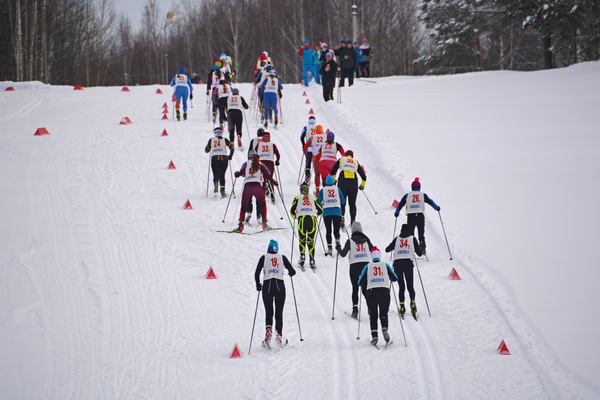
<point>307,230</point>
<point>355,270</point>
<point>332,222</point>
<point>349,188</point>
<point>219,168</point>
<point>378,301</point>
<point>405,271</point>
<point>234,123</point>
<point>417,220</point>
<point>274,293</point>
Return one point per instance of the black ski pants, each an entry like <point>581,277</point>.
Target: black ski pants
<point>219,167</point>
<point>349,188</point>
<point>328,91</point>
<point>355,270</point>
<point>307,230</point>
<point>332,223</point>
<point>404,269</point>
<point>417,220</point>
<point>273,294</point>
<point>222,104</point>
<point>378,302</point>
<point>235,118</point>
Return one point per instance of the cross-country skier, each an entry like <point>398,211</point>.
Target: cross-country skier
<point>377,276</point>
<point>348,181</point>
<point>235,115</point>
<point>415,209</point>
<point>212,87</point>
<point>273,289</point>
<point>331,199</point>
<point>404,248</point>
<point>305,208</point>
<point>254,172</point>
<point>269,156</point>
<point>314,143</point>
<point>328,155</point>
<point>259,133</point>
<point>223,93</point>
<point>307,132</point>
<point>359,246</point>
<point>271,91</point>
<point>183,89</point>
<point>217,147</point>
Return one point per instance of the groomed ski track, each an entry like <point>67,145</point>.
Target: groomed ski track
<point>117,305</point>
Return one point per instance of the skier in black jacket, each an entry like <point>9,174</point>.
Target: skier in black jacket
<point>359,246</point>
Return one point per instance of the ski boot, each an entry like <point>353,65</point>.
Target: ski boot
<point>279,340</point>
<point>240,227</point>
<point>413,308</point>
<point>239,143</point>
<point>312,263</point>
<point>178,115</point>
<point>422,245</point>
<point>272,197</point>
<point>223,194</point>
<point>216,190</point>
<point>184,116</point>
<point>355,313</point>
<point>401,309</point>
<point>268,335</point>
<point>276,120</point>
<point>214,117</point>
<point>374,338</point>
<point>329,251</point>
<point>248,216</point>
<point>386,335</point>
<point>265,225</point>
<point>302,260</point>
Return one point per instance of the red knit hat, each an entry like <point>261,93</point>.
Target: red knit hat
<point>416,185</point>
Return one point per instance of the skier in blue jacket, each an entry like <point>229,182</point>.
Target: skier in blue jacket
<point>307,54</point>
<point>331,199</point>
<point>183,89</point>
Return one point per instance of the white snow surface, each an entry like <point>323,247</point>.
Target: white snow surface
<point>103,292</point>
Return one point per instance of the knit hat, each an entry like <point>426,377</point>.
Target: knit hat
<point>252,153</point>
<point>329,180</point>
<point>349,153</point>
<point>330,135</point>
<point>306,41</point>
<point>416,185</point>
<point>375,254</point>
<point>235,91</point>
<point>181,70</point>
<point>273,246</point>
<point>260,132</point>
<point>312,121</point>
<point>319,129</point>
<point>304,188</point>
<point>329,54</point>
<point>218,131</point>
<point>356,227</point>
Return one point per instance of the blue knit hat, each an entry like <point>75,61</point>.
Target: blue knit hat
<point>273,246</point>
<point>329,180</point>
<point>181,70</point>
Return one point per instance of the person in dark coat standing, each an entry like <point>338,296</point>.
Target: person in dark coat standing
<point>273,289</point>
<point>328,72</point>
<point>404,248</point>
<point>348,64</point>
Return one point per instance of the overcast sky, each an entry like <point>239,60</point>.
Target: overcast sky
<point>133,10</point>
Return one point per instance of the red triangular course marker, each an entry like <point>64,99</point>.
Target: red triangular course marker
<point>9,89</point>
<point>311,112</point>
<point>41,131</point>
<point>454,275</point>
<point>395,203</point>
<point>78,87</point>
<point>165,105</point>
<point>304,94</point>
<point>236,352</point>
<point>307,101</point>
<point>165,116</point>
<point>165,110</point>
<point>125,121</point>
<point>503,349</point>
<point>210,274</point>
<point>164,133</point>
<point>171,165</point>
<point>125,89</point>
<point>187,205</point>
<point>158,91</point>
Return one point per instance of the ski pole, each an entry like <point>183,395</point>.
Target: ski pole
<point>445,237</point>
<point>284,206</point>
<point>295,304</point>
<point>359,304</point>
<point>246,121</point>
<point>207,178</point>
<point>319,232</point>
<point>254,322</point>
<point>293,236</point>
<point>300,168</point>
<point>337,256</point>
<point>229,201</point>
<point>394,237</point>
<point>423,287</point>
<point>399,316</point>
<point>363,192</point>
<point>232,179</point>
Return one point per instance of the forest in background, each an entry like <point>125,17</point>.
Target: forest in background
<point>85,42</point>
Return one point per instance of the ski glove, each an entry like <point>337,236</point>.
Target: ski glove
<point>207,92</point>
<point>275,183</point>
<point>191,96</point>
<point>277,163</point>
<point>396,214</point>
<point>438,208</point>
<point>230,157</point>
<point>258,287</point>
<point>237,174</point>
<point>292,273</point>
<point>362,185</point>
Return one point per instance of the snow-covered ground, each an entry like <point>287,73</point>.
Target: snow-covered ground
<point>103,294</point>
